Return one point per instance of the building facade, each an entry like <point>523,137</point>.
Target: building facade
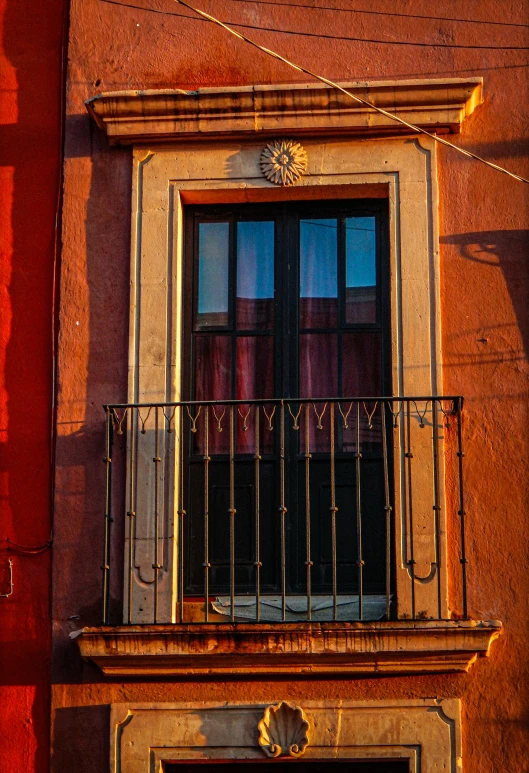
<point>291,456</point>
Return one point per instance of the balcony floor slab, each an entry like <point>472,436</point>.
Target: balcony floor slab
<point>403,647</point>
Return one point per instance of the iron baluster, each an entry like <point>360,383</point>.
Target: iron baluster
<point>231,512</point>
<point>207,564</point>
<point>282,512</point>
<point>436,505</point>
<point>257,459</point>
<point>108,514</point>
<point>181,516</point>
<point>131,513</point>
<point>387,509</point>
<point>409,456</point>
<point>308,562</point>
<point>156,565</point>
<point>360,560</point>
<point>333,510</point>
<point>462,514</point>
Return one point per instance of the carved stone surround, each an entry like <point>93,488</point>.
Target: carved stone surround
<point>165,180</point>
<point>426,733</point>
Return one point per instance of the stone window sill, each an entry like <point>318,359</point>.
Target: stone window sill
<point>403,647</point>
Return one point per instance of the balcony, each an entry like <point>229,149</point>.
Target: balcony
<point>295,535</point>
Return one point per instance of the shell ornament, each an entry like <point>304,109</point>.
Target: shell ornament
<point>283,162</point>
<point>284,731</point>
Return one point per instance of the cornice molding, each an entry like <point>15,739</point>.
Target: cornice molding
<point>403,647</point>
<point>302,109</point>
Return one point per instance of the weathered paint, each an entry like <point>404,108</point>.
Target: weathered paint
<point>484,217</point>
<point>30,164</point>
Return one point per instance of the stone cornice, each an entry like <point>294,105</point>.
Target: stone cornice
<point>404,647</point>
<point>439,105</point>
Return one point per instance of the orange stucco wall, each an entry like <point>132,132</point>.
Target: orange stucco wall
<point>30,165</point>
<point>484,219</point>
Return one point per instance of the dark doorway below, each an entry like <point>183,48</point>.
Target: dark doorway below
<point>311,766</point>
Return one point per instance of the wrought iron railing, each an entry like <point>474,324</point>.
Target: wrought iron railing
<point>283,510</point>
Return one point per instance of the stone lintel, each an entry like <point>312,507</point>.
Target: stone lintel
<point>404,647</point>
<point>438,105</point>
<point>425,733</point>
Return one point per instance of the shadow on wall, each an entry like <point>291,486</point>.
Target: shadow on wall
<point>30,161</point>
<point>507,250</point>
<point>93,357</point>
<point>84,733</point>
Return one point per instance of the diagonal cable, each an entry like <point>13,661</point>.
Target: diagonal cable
<point>362,101</point>
<point>334,9</point>
<point>325,36</point>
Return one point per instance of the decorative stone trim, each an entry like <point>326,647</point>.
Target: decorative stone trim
<point>426,733</point>
<point>403,647</point>
<point>283,162</point>
<point>439,105</point>
<point>165,180</point>
<point>284,731</point>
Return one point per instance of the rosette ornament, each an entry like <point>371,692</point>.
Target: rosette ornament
<point>284,731</point>
<point>283,162</point>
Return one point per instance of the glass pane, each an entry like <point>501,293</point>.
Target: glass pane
<point>255,275</point>
<point>318,375</point>
<point>318,365</point>
<point>213,275</point>
<point>255,367</point>
<point>212,367</point>
<point>361,365</point>
<point>360,270</point>
<point>362,378</point>
<point>318,273</point>
<point>255,380</point>
<point>213,382</point>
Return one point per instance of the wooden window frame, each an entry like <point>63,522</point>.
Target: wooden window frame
<point>287,217</point>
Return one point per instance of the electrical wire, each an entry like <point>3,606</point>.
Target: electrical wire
<point>313,7</point>
<point>323,36</point>
<point>362,101</point>
<point>28,549</point>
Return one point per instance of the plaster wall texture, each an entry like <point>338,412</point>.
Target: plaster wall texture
<point>485,320</point>
<point>30,163</point>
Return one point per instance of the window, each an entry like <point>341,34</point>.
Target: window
<point>399,177</point>
<point>222,169</point>
<point>288,302</point>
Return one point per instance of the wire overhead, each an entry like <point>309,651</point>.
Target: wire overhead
<point>313,7</point>
<point>362,101</point>
<point>324,36</point>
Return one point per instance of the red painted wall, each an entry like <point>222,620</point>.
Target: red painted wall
<point>30,162</point>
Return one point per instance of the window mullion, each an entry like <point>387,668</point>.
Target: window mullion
<point>232,304</point>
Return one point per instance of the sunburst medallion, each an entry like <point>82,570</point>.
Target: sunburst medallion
<point>283,162</point>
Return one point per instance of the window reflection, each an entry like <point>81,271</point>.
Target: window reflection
<point>255,275</point>
<point>318,377</point>
<point>213,275</point>
<point>360,270</point>
<point>318,273</point>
